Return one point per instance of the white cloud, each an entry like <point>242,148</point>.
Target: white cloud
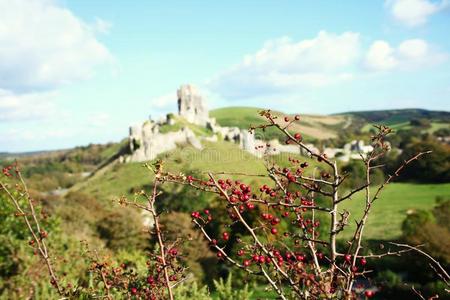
<point>44,46</point>
<point>26,107</point>
<point>102,26</point>
<point>166,102</point>
<point>283,67</point>
<point>380,56</point>
<point>414,13</point>
<point>410,54</point>
<point>283,64</point>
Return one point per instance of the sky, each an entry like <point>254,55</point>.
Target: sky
<point>74,72</point>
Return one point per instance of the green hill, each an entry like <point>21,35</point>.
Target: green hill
<point>321,127</point>
<point>400,119</point>
<point>311,126</point>
<point>401,115</point>
<point>125,179</point>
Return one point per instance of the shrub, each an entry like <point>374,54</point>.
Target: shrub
<point>225,290</point>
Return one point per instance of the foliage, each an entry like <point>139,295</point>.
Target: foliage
<point>355,168</point>
<point>388,116</point>
<point>22,272</point>
<point>436,168</point>
<point>225,290</point>
<point>122,229</point>
<point>388,278</point>
<point>191,290</point>
<point>430,229</point>
<point>178,226</point>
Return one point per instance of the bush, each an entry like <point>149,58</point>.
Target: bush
<point>191,290</point>
<point>225,290</point>
<point>436,168</point>
<point>123,230</point>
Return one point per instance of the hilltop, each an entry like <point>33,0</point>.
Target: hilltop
<point>311,126</point>
<point>329,126</point>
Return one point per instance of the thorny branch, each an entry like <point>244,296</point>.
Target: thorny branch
<point>37,234</point>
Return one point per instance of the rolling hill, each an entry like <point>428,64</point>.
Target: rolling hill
<point>113,179</point>
<point>322,127</point>
<point>311,126</point>
<point>384,223</point>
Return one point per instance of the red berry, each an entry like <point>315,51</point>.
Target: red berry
<point>240,252</point>
<point>286,119</point>
<point>298,136</point>
<point>300,257</point>
<point>369,293</point>
<point>150,280</point>
<point>274,231</point>
<point>250,205</point>
<point>245,198</point>
<point>363,261</point>
<point>275,221</point>
<point>246,263</point>
<point>348,257</point>
<point>297,117</point>
<point>134,291</point>
<point>226,236</point>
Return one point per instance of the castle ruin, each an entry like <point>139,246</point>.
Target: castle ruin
<point>151,138</point>
<point>146,141</point>
<point>191,105</point>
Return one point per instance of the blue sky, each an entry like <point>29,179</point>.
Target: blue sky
<point>75,72</point>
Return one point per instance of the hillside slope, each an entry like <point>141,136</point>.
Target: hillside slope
<point>311,126</point>
<point>400,119</point>
<point>320,127</point>
<point>126,179</point>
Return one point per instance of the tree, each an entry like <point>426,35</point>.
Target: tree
<point>436,168</point>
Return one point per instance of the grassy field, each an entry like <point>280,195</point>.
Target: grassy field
<point>384,223</point>
<point>241,117</point>
<point>116,180</point>
<point>399,124</point>
<point>390,210</point>
<point>319,127</point>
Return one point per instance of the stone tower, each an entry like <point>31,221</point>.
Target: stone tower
<point>191,105</point>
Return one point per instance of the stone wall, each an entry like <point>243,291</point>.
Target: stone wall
<point>146,142</point>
